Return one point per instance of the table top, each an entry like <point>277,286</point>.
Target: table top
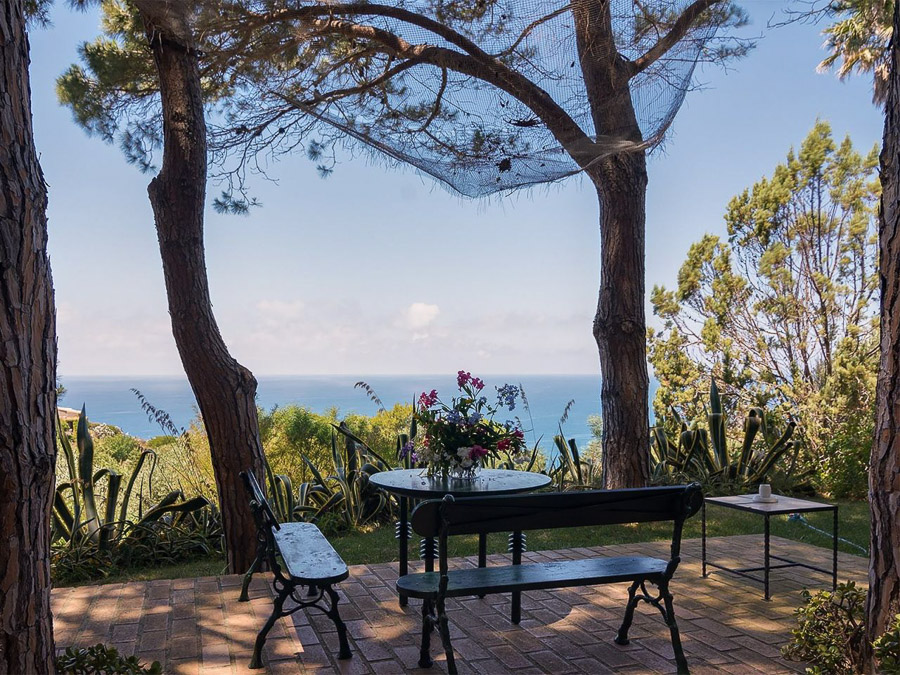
<point>414,483</point>
<point>783,505</point>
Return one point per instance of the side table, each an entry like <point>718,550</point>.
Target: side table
<point>783,506</point>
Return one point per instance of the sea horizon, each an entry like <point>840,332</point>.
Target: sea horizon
<point>109,399</point>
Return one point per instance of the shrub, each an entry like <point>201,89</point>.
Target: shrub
<point>831,635</point>
<point>101,660</point>
<point>118,448</point>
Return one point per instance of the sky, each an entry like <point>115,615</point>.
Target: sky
<point>380,271</point>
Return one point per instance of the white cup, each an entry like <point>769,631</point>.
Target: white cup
<point>765,491</point>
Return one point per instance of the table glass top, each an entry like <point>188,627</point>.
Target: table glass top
<point>415,483</point>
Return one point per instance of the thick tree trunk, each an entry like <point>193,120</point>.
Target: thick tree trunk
<point>27,370</point>
<point>225,390</point>
<point>883,601</point>
<point>620,326</point>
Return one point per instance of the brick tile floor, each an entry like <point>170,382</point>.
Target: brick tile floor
<point>197,626</point>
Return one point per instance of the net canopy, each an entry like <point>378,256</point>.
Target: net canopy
<point>401,81</point>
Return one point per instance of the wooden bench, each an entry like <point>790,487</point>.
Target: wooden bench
<point>483,515</point>
<point>309,561</point>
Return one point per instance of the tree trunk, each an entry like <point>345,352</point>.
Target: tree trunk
<point>27,370</point>
<point>620,326</point>
<point>225,390</point>
<point>883,601</point>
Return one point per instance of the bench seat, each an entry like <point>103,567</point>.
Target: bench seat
<point>537,576</point>
<point>308,556</point>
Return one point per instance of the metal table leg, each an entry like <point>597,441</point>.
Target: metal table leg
<point>402,535</point>
<point>703,540</point>
<point>766,562</point>
<point>834,552</point>
<point>482,553</point>
<point>516,546</point>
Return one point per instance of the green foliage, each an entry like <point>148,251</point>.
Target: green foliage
<point>783,312</point>
<point>830,632</point>
<point>98,523</point>
<point>343,498</point>
<point>571,469</point>
<point>702,454</point>
<point>292,432</point>
<point>118,448</point>
<point>101,660</point>
<point>859,39</point>
<point>887,649</point>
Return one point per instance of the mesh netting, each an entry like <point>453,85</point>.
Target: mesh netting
<point>478,139</point>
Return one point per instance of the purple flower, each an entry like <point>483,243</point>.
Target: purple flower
<point>475,418</point>
<point>507,394</point>
<point>408,449</point>
<point>454,417</point>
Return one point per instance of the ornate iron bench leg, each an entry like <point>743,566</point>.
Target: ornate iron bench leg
<point>427,628</point>
<point>622,637</point>
<point>248,576</point>
<point>334,615</point>
<point>277,612</point>
<point>680,660</point>
<point>444,629</point>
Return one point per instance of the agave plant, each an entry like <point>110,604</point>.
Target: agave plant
<point>81,515</point>
<point>347,492</point>
<point>703,454</point>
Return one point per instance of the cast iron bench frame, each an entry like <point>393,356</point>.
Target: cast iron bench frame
<point>483,515</point>
<point>309,560</point>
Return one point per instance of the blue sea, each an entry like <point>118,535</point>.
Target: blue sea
<point>110,400</point>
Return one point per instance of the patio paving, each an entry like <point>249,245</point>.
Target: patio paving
<point>197,626</point>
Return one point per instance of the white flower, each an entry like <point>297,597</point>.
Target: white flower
<point>463,453</point>
<point>466,463</point>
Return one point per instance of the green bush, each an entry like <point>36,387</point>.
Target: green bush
<point>118,448</point>
<point>101,660</point>
<point>831,634</point>
<point>887,649</point>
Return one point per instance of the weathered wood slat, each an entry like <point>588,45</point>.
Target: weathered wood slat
<point>308,556</point>
<point>534,577</point>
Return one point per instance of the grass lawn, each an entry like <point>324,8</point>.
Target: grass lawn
<point>379,544</point>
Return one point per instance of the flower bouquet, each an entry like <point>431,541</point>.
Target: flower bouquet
<point>458,437</point>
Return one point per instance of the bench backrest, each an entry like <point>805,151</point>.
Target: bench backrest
<point>265,517</point>
<point>483,515</point>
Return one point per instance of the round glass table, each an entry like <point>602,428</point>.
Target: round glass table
<point>414,484</point>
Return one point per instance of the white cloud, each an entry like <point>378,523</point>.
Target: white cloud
<point>420,314</point>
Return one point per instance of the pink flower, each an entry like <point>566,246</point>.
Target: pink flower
<point>503,444</point>
<point>477,452</point>
<point>462,377</point>
<point>428,400</point>
<point>477,384</point>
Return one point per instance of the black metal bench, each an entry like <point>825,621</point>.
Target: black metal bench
<point>482,515</point>
<point>309,561</point>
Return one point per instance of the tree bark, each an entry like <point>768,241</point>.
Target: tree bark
<point>620,325</point>
<point>27,370</point>
<point>883,600</point>
<point>225,390</point>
